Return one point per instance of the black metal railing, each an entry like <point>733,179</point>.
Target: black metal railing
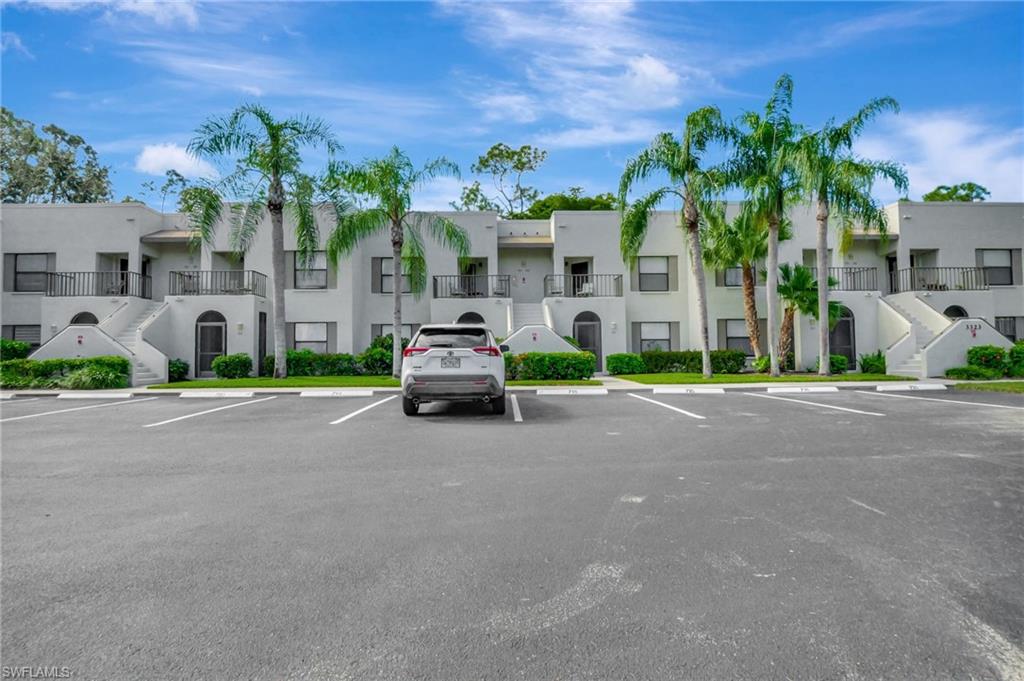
<point>583,285</point>
<point>852,278</point>
<point>472,286</point>
<point>938,279</point>
<point>60,284</point>
<point>218,283</point>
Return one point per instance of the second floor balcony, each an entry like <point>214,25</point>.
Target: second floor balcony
<point>583,285</point>
<point>218,283</point>
<point>938,279</point>
<point>852,278</point>
<point>472,286</point>
<point>100,284</point>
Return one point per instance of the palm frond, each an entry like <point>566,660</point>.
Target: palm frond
<point>443,231</point>
<point>202,206</point>
<point>307,232</point>
<point>435,168</point>
<point>635,221</point>
<point>245,222</point>
<point>352,228</point>
<point>414,261</point>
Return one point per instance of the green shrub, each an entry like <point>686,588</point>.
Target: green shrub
<point>987,356</point>
<point>375,361</point>
<point>309,363</point>
<point>572,341</point>
<point>763,364</point>
<point>553,366</point>
<point>386,343</point>
<point>268,365</point>
<point>837,364</point>
<point>1015,360</point>
<point>512,364</point>
<point>973,373</point>
<point>625,363</point>
<point>238,365</point>
<point>93,378</point>
<point>690,361</point>
<point>873,363</point>
<point>300,362</point>
<point>47,373</point>
<point>341,364</point>
<point>177,370</point>
<point>12,349</point>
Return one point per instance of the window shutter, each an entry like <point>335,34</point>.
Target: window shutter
<point>51,262</point>
<point>413,328</point>
<point>332,275</point>
<point>8,271</point>
<point>636,335</point>
<point>978,260</point>
<point>289,335</point>
<point>762,331</point>
<point>1019,333</point>
<point>1015,263</point>
<point>289,270</point>
<point>7,331</point>
<point>673,273</point>
<point>634,275</point>
<point>673,336</point>
<point>375,277</point>
<point>721,333</point>
<point>719,277</point>
<point>376,331</point>
<point>332,337</point>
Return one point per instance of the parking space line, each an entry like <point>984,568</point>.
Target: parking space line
<point>667,406</point>
<point>357,412</point>
<point>516,414</point>
<point>91,406</point>
<point>940,399</point>
<point>863,505</point>
<point>13,401</point>
<point>815,404</point>
<point>209,411</point>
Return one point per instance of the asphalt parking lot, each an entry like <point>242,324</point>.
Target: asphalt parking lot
<point>634,535</point>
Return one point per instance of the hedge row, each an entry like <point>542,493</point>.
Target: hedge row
<point>12,349</point>
<point>309,363</point>
<point>550,366</point>
<point>989,362</point>
<point>681,361</point>
<point>87,373</point>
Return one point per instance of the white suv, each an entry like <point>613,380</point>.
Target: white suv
<point>458,362</point>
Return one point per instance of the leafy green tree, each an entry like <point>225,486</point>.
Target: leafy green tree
<point>383,189</point>
<point>965,191</point>
<point>506,166</point>
<point>841,184</point>
<point>799,293</point>
<point>691,181</point>
<point>268,178</point>
<point>541,209</point>
<point>58,167</point>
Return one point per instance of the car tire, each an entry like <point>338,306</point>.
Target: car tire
<point>409,406</point>
<point>498,405</point>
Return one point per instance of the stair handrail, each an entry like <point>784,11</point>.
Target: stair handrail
<point>903,347</point>
<point>996,336</point>
<point>935,314</point>
<point>88,326</point>
<point>111,315</point>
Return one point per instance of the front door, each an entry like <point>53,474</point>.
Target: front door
<point>842,340</point>
<point>588,335</point>
<point>262,345</point>
<point>580,280</point>
<point>210,343</point>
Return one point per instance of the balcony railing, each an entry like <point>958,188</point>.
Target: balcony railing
<point>852,278</point>
<point>938,279</point>
<point>59,284</point>
<point>218,283</point>
<point>583,285</point>
<point>472,286</point>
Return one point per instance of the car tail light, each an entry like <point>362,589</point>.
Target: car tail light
<point>490,350</point>
<point>410,352</point>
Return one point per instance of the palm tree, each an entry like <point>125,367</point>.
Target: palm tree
<point>267,177</point>
<point>800,293</point>
<point>741,242</point>
<point>690,182</point>
<point>763,166</point>
<point>841,183</point>
<point>385,187</point>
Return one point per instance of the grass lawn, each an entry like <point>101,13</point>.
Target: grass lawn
<point>674,378</point>
<point>318,382</point>
<point>1003,387</point>
<point>533,382</point>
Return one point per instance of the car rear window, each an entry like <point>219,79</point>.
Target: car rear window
<point>451,338</point>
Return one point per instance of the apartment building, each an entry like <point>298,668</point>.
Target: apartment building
<point>82,280</point>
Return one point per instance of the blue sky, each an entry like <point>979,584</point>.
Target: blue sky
<point>589,82</point>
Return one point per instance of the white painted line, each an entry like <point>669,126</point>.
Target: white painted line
<point>213,393</point>
<point>6,396</point>
<point>516,414</point>
<point>631,499</point>
<point>336,393</point>
<point>208,411</point>
<point>863,505</point>
<point>667,406</point>
<point>805,389</point>
<point>357,412</point>
<point>93,396</point>
<point>689,391</point>
<point>909,386</point>
<point>939,399</point>
<point>572,391</point>
<point>31,399</point>
<point>815,404</point>
<point>91,406</point>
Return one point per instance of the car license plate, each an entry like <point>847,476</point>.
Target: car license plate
<point>451,362</point>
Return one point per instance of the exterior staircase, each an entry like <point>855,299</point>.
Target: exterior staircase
<point>528,313</point>
<point>141,374</point>
<point>922,334</point>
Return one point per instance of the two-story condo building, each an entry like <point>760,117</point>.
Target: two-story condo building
<point>91,279</point>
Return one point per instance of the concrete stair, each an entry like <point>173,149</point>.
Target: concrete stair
<point>923,335</point>
<point>527,313</point>
<point>142,374</point>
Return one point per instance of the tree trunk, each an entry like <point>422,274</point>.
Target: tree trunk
<point>772,292</point>
<point>396,291</point>
<point>697,265</point>
<point>275,204</point>
<point>824,368</point>
<point>786,335</point>
<point>750,308</point>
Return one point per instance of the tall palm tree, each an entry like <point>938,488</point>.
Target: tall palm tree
<point>799,292</point>
<point>384,187</point>
<point>267,156</point>
<point>763,167</point>
<point>841,183</point>
<point>691,182</point>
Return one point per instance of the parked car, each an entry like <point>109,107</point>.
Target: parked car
<point>453,362</point>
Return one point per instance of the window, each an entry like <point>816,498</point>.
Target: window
<point>386,276</point>
<point>998,267</point>
<point>311,336</point>
<point>736,336</point>
<point>456,337</point>
<point>734,276</point>
<point>1008,327</point>
<point>315,276</point>
<point>30,271</point>
<point>26,333</point>
<point>655,336</point>
<point>378,330</point>
<point>653,273</point>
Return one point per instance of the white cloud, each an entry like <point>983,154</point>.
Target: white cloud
<point>12,41</point>
<point>157,159</point>
<point>162,12</point>
<point>509,106</point>
<point>603,134</point>
<point>438,195</point>
<point>948,147</point>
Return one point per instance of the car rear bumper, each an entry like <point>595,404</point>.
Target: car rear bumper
<point>434,387</point>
